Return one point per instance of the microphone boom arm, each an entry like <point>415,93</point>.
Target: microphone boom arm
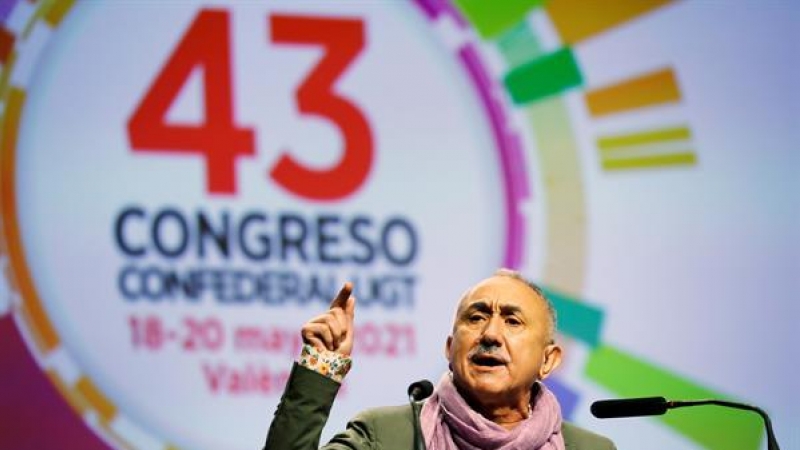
<point>772,442</point>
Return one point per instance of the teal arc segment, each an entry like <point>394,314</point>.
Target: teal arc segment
<point>518,45</point>
<point>576,318</point>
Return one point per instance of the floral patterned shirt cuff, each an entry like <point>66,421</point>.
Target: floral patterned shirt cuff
<point>330,364</point>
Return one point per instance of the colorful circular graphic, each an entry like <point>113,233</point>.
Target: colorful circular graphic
<point>184,184</point>
<point>205,203</point>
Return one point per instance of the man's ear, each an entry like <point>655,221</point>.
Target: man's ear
<point>447,345</point>
<point>551,360</point>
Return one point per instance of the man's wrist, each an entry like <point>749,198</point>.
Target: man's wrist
<point>326,363</point>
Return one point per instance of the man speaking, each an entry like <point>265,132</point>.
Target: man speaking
<point>501,347</point>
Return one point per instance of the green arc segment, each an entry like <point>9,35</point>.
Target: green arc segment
<point>712,427</point>
<point>542,77</point>
<point>491,18</point>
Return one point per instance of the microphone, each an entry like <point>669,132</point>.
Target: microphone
<point>629,407</point>
<point>417,391</point>
<point>654,406</point>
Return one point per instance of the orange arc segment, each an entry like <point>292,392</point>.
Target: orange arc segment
<point>652,89</point>
<point>77,402</point>
<point>577,20</point>
<point>57,11</point>
<point>47,337</point>
<point>99,402</point>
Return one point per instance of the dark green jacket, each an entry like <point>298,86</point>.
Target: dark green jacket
<point>306,403</point>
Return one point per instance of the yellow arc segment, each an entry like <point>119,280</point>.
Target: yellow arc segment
<point>644,138</point>
<point>559,164</point>
<point>674,159</point>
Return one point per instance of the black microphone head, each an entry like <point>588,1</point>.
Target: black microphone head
<point>420,390</point>
<point>629,407</point>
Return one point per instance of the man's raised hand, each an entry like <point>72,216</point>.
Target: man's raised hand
<point>333,330</point>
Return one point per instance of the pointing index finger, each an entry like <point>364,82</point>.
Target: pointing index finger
<point>341,299</point>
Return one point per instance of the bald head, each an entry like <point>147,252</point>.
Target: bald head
<point>552,324</point>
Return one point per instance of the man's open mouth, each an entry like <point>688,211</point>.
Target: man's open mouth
<point>487,360</point>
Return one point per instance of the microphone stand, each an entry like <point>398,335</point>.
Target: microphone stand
<point>772,443</point>
<point>418,391</point>
<point>654,406</point>
<point>419,442</point>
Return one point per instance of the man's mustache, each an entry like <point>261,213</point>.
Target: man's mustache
<point>492,350</point>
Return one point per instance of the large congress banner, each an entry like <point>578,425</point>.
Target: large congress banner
<point>184,183</point>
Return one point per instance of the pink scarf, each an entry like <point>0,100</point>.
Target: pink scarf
<point>448,423</point>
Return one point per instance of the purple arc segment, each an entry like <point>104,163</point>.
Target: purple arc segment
<point>6,7</point>
<point>508,145</point>
<point>432,9</point>
<point>567,397</point>
<point>511,158</point>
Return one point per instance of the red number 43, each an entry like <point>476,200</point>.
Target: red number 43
<point>219,141</point>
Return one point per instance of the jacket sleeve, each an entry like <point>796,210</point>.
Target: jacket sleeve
<point>303,411</point>
<point>385,428</point>
<point>577,438</point>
